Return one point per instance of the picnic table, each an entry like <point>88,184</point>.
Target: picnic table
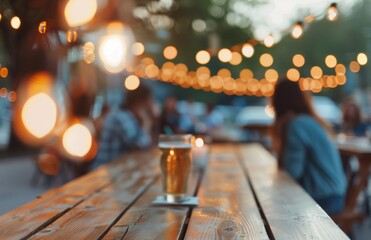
<point>241,195</point>
<point>360,148</point>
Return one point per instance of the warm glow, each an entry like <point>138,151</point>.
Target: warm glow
<point>77,140</point>
<point>225,55</point>
<point>271,75</point>
<point>113,48</point>
<point>4,72</point>
<point>39,115</point>
<point>246,74</point>
<point>170,52</point>
<point>151,71</point>
<point>3,92</point>
<point>266,60</point>
<point>354,67</point>
<point>340,69</point>
<point>269,41</point>
<point>203,57</point>
<point>42,27</point>
<point>199,142</point>
<point>330,61</point>
<point>247,50</point>
<point>71,36</point>
<point>316,72</point>
<point>298,60</point>
<point>236,58</point>
<point>12,96</point>
<point>80,12</point>
<point>297,30</point>
<point>224,73</point>
<point>362,59</point>
<point>15,22</point>
<point>293,74</point>
<point>132,82</point>
<point>137,49</point>
<point>332,12</point>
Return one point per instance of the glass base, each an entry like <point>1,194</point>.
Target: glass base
<point>175,198</point>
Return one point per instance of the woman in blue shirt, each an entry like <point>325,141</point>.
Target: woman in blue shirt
<point>304,148</point>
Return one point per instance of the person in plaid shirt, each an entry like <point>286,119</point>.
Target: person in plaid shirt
<point>127,128</point>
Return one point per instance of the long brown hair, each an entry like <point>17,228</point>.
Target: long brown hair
<point>289,101</point>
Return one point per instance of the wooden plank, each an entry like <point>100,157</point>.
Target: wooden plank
<point>289,210</point>
<point>144,221</point>
<point>227,208</point>
<point>40,212</point>
<point>92,217</point>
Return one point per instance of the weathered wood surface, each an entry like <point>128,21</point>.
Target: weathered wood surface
<point>93,216</point>
<point>227,208</point>
<point>289,210</point>
<point>144,221</point>
<point>30,218</point>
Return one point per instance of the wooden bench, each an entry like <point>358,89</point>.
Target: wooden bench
<point>241,194</point>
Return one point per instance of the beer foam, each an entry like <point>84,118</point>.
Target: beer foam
<point>174,145</point>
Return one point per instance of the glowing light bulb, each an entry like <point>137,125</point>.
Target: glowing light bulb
<point>199,142</point>
<point>132,82</point>
<point>15,22</point>
<point>330,61</point>
<point>297,30</point>
<point>170,52</point>
<point>225,55</point>
<point>203,57</point>
<point>247,50</point>
<point>80,12</point>
<point>113,48</point>
<point>77,140</point>
<point>332,12</point>
<point>137,49</point>
<point>39,115</point>
<point>42,27</point>
<point>362,59</point>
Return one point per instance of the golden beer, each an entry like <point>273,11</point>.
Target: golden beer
<point>175,166</point>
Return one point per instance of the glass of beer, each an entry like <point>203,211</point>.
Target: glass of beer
<point>175,165</point>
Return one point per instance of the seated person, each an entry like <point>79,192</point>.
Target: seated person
<point>304,148</point>
<point>127,128</point>
<point>352,120</point>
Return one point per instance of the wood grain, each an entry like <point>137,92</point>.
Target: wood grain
<point>93,216</point>
<point>227,208</point>
<point>290,211</point>
<point>144,221</point>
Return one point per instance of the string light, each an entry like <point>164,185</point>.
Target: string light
<point>203,57</point>
<point>132,82</point>
<point>225,55</point>
<point>15,22</point>
<point>80,12</point>
<point>362,59</point>
<point>248,50</point>
<point>42,27</point>
<point>330,61</point>
<point>297,30</point>
<point>137,49</point>
<point>298,60</point>
<point>332,12</point>
<point>266,60</point>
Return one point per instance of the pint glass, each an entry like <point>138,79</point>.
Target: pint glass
<point>175,165</point>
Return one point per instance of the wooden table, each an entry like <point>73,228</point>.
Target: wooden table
<point>357,181</point>
<point>241,196</point>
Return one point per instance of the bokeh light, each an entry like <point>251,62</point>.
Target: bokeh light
<point>203,57</point>
<point>332,12</point>
<point>71,36</point>
<point>340,69</point>
<point>170,52</point>
<point>330,61</point>
<point>225,55</point>
<point>354,66</point>
<point>266,60</point>
<point>298,60</point>
<point>42,27</point>
<point>297,30</point>
<point>236,59</point>
<point>4,72</point>
<point>137,49</point>
<point>316,72</point>
<point>15,22</point>
<point>77,140</point>
<point>293,74</point>
<point>12,96</point>
<point>132,82</point>
<point>248,50</point>
<point>271,75</point>
<point>80,12</point>
<point>362,59</point>
<point>199,142</point>
<point>269,41</point>
<point>246,74</point>
<point>39,115</point>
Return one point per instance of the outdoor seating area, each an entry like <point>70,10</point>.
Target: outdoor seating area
<point>164,119</point>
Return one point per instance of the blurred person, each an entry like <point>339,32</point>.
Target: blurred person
<point>170,118</point>
<point>304,148</point>
<point>128,128</point>
<point>352,120</point>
